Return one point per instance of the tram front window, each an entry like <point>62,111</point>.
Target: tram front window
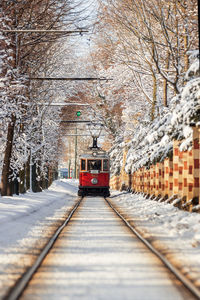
<point>94,165</point>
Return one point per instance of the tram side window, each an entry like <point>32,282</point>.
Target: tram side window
<point>94,164</point>
<point>105,165</point>
<point>83,165</point>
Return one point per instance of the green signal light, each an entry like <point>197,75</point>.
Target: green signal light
<point>78,113</point>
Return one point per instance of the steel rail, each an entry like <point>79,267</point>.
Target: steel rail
<point>186,282</point>
<point>21,284</point>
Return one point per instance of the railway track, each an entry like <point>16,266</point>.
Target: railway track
<point>23,282</point>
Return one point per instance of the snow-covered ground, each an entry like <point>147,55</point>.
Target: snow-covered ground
<point>26,221</point>
<point>174,232</point>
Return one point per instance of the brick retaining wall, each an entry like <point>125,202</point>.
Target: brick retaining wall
<point>176,177</point>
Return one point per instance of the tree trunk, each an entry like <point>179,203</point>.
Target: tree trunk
<point>5,183</point>
<point>154,97</point>
<point>165,85</point>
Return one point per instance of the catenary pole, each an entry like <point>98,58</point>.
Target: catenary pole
<point>42,31</point>
<point>70,78</point>
<point>75,155</point>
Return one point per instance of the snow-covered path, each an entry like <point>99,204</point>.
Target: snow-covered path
<point>97,257</point>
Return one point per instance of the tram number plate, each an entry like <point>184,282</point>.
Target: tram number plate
<point>94,171</point>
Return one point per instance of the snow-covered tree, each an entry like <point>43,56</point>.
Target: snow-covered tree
<point>155,143</point>
<point>29,130</point>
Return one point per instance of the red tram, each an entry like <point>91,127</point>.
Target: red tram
<point>94,173</point>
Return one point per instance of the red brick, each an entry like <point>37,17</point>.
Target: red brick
<point>196,144</point>
<point>196,163</point>
<point>175,167</point>
<point>196,182</point>
<point>185,182</point>
<point>176,151</point>
<point>185,165</point>
<point>180,170</point>
<point>180,154</point>
<point>190,169</point>
<point>175,182</point>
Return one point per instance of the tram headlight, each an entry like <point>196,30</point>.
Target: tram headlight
<point>94,181</point>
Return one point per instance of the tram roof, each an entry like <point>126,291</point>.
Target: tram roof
<point>92,154</point>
